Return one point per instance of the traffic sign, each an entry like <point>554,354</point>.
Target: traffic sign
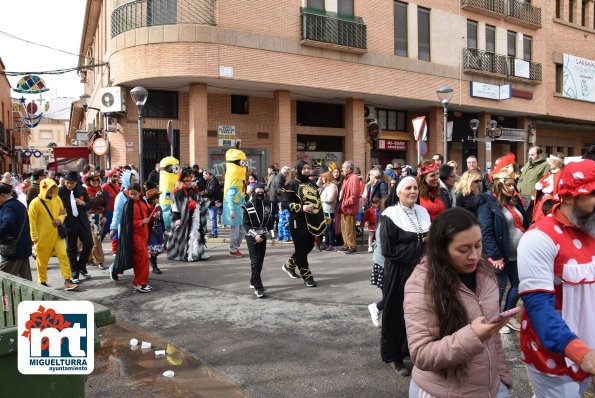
<point>420,128</point>
<point>422,147</point>
<point>99,146</point>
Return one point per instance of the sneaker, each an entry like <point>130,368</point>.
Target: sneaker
<point>76,281</point>
<point>259,293</point>
<point>343,249</point>
<point>350,251</point>
<point>330,249</point>
<point>70,286</point>
<point>290,272</point>
<point>514,325</point>
<point>85,275</point>
<point>236,254</point>
<point>370,249</point>
<point>213,236</point>
<point>100,266</point>
<point>375,314</point>
<point>263,288</point>
<point>142,288</point>
<point>114,276</point>
<point>310,282</point>
<point>505,330</point>
<point>44,284</point>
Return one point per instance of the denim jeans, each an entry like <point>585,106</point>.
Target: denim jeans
<point>213,210</point>
<point>509,274</point>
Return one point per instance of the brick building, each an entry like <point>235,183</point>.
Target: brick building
<point>6,124</point>
<point>305,79</point>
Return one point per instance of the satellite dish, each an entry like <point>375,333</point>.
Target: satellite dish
<point>107,99</point>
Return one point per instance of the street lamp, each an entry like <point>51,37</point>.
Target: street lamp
<point>139,96</point>
<point>474,124</point>
<point>444,95</point>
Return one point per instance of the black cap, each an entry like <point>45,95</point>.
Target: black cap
<point>5,188</point>
<point>71,176</point>
<point>38,173</point>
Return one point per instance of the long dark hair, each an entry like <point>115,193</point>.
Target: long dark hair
<point>442,280</point>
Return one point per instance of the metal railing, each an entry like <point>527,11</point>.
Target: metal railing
<point>496,6</point>
<point>140,13</point>
<point>2,133</point>
<point>319,26</point>
<point>524,12</point>
<point>497,64</point>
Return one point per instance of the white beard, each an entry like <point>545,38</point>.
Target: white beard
<point>586,222</point>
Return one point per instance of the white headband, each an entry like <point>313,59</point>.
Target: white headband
<point>402,182</point>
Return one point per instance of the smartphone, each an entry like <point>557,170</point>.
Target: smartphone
<point>505,314</point>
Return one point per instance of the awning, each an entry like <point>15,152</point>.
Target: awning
<point>71,152</point>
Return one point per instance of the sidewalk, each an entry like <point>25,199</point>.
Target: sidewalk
<point>297,342</point>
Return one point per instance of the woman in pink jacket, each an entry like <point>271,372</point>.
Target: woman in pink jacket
<point>449,300</point>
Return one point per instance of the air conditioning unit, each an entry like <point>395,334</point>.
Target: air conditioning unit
<point>113,99</point>
<point>369,112</point>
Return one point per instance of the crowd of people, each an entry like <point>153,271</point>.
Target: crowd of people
<point>452,253</point>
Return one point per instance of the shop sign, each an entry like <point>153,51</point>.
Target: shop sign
<point>579,78</point>
<point>490,91</point>
<point>522,68</point>
<point>99,146</point>
<point>226,135</point>
<point>392,145</point>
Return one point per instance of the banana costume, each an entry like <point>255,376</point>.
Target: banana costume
<point>43,232</point>
<point>169,168</point>
<point>236,169</point>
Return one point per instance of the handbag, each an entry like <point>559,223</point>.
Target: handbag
<point>8,247</point>
<point>62,231</point>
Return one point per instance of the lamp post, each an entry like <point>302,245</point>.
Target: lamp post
<point>139,96</point>
<point>444,95</point>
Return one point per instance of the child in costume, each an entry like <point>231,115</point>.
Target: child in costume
<point>157,229</point>
<point>283,225</point>
<point>169,168</point>
<point>233,198</point>
<point>371,216</point>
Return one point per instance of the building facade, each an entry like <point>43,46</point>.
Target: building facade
<point>307,79</point>
<point>6,124</point>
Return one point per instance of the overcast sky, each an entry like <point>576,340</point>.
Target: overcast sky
<point>55,23</point>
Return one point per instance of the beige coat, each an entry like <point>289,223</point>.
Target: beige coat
<point>486,364</point>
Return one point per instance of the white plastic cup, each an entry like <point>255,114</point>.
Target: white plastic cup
<point>133,342</point>
<point>159,353</point>
<point>168,373</point>
<point>145,345</point>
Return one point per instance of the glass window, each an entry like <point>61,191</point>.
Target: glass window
<point>558,8</point>
<point>400,26</point>
<point>571,10</point>
<point>318,114</point>
<point>345,7</point>
<point>392,120</point>
<point>471,34</point>
<point>317,4</point>
<point>161,104</point>
<point>559,78</point>
<point>423,34</point>
<point>490,38</point>
<point>527,47</point>
<point>239,104</point>
<point>511,44</point>
<point>584,13</point>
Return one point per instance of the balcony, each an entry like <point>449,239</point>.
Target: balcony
<point>141,13</point>
<point>490,64</point>
<point>330,30</point>
<point>492,8</point>
<point>524,14</point>
<point>2,133</point>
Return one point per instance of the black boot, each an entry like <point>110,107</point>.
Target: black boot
<point>156,269</point>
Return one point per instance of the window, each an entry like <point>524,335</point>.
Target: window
<point>471,34</point>
<point>400,26</point>
<point>320,114</point>
<point>571,7</point>
<point>584,13</point>
<point>239,104</point>
<point>559,78</point>
<point>46,134</point>
<point>490,38</point>
<point>392,120</point>
<point>161,104</point>
<point>527,47</point>
<point>511,44</point>
<point>316,4</point>
<point>423,34</point>
<point>345,7</point>
<point>558,8</point>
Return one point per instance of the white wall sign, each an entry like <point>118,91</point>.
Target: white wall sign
<point>226,71</point>
<point>226,135</point>
<point>579,78</point>
<point>491,91</point>
<point>522,68</point>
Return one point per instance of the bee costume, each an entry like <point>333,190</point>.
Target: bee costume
<point>303,226</point>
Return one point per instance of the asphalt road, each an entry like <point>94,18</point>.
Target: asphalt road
<point>296,342</point>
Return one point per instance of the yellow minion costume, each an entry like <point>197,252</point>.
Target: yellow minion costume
<point>169,168</point>
<point>233,188</point>
<point>43,232</point>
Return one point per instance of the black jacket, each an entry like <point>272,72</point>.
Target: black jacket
<point>124,257</point>
<point>13,217</point>
<point>79,191</point>
<point>213,190</point>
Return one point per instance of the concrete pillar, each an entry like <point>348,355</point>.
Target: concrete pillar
<point>412,50</point>
<point>284,142</point>
<point>355,136</point>
<point>481,35</point>
<point>522,150</point>
<point>435,133</point>
<point>197,126</point>
<point>483,155</point>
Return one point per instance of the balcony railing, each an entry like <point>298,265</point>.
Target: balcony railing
<point>524,13</point>
<point>324,27</point>
<point>2,133</point>
<point>490,6</point>
<point>490,63</point>
<point>140,13</point>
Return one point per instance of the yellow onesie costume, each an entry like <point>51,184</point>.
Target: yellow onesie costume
<point>43,232</point>
<point>169,168</point>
